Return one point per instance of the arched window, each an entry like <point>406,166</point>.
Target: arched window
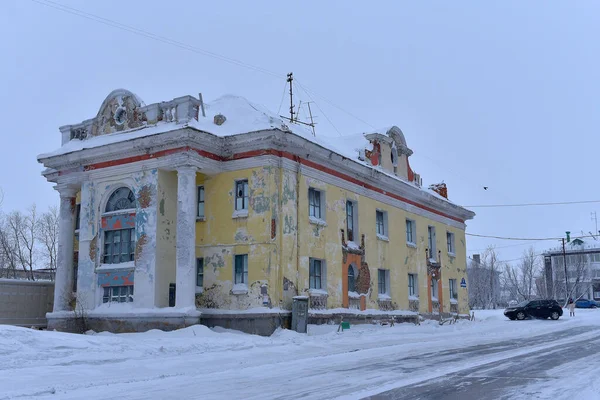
<point>119,228</point>
<point>351,279</point>
<point>121,199</point>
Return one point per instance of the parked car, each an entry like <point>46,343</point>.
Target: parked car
<point>535,309</point>
<point>585,303</point>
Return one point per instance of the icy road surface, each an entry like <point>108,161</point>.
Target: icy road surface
<point>490,358</point>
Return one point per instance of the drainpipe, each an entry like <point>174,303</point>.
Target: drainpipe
<point>298,223</point>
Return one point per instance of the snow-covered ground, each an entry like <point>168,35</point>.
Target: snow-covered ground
<point>202,363</point>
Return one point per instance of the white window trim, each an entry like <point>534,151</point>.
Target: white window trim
<point>432,243</point>
<point>323,289</point>
<point>240,288</point>
<point>387,294</point>
<point>453,242</point>
<point>322,207</point>
<point>385,236</point>
<point>414,296</point>
<point>240,213</point>
<point>200,218</point>
<point>414,233</point>
<point>354,220</point>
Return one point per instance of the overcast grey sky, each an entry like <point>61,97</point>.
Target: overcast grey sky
<point>498,94</point>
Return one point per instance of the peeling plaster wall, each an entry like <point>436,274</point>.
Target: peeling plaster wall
<point>166,231</point>
<point>145,190</point>
<point>221,236</point>
<point>88,230</point>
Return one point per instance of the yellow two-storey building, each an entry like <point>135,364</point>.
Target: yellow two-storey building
<point>186,212</point>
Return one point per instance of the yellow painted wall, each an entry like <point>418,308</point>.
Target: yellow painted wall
<point>283,262</point>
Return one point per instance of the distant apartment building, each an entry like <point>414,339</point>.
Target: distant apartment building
<point>582,266</point>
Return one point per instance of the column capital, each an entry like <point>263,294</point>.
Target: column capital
<point>186,168</point>
<point>66,191</point>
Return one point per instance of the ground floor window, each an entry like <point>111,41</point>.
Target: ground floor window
<point>434,288</point>
<point>241,269</point>
<point>119,246</point>
<point>118,294</point>
<point>351,279</point>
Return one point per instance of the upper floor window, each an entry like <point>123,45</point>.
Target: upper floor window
<point>431,239</point>
<point>351,220</point>
<point>314,203</point>
<point>381,224</point>
<point>241,195</point>
<point>200,202</point>
<point>410,232</point>
<point>450,241</point>
<point>121,199</point>
<point>119,246</point>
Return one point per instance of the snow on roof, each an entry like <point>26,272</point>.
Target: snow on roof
<point>241,116</point>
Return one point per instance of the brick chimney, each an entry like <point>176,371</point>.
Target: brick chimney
<point>440,188</point>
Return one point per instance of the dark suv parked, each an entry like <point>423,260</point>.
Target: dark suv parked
<point>535,309</point>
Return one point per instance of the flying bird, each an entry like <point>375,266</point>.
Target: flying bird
<point>485,188</point>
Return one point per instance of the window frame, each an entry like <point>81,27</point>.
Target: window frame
<point>244,272</point>
<point>434,288</point>
<point>317,281</point>
<point>412,289</point>
<point>314,203</point>
<point>431,242</point>
<point>200,272</point>
<point>351,287</point>
<point>110,245</point>
<point>245,198</point>
<point>381,221</point>
<point>385,285</point>
<point>412,240</point>
<point>450,243</point>
<point>124,292</point>
<point>452,288</point>
<point>351,223</point>
<point>200,201</point>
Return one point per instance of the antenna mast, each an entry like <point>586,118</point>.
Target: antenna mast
<point>294,115</point>
<point>290,79</point>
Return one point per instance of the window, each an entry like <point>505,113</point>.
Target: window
<point>200,202</point>
<point>77,216</point>
<point>383,281</point>
<point>241,269</point>
<point>241,195</point>
<point>412,285</point>
<point>410,231</point>
<point>595,257</point>
<point>431,238</point>
<point>434,288</point>
<point>314,203</point>
<point>350,219</point>
<point>450,241</point>
<point>119,246</point>
<point>121,199</point>
<point>200,272</point>
<point>381,223</point>
<point>316,274</point>
<point>453,292</point>
<point>351,279</point>
<point>118,294</point>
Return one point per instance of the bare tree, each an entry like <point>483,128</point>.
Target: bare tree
<point>23,233</point>
<point>48,236</point>
<point>484,280</point>
<point>520,281</point>
<point>8,255</point>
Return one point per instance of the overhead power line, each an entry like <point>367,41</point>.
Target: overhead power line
<point>532,239</point>
<point>534,204</point>
<point>150,35</point>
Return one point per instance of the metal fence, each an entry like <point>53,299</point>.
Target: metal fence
<point>25,303</point>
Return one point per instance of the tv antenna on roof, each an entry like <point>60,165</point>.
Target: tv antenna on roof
<point>293,118</point>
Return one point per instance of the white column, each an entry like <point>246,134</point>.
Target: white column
<point>63,283</point>
<point>185,295</point>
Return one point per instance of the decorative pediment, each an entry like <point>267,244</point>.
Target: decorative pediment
<point>120,111</point>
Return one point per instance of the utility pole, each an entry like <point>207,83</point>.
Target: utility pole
<point>565,264</point>
<point>595,219</point>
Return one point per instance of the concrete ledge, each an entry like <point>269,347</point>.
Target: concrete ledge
<point>356,318</point>
<point>263,324</point>
<point>120,323</point>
